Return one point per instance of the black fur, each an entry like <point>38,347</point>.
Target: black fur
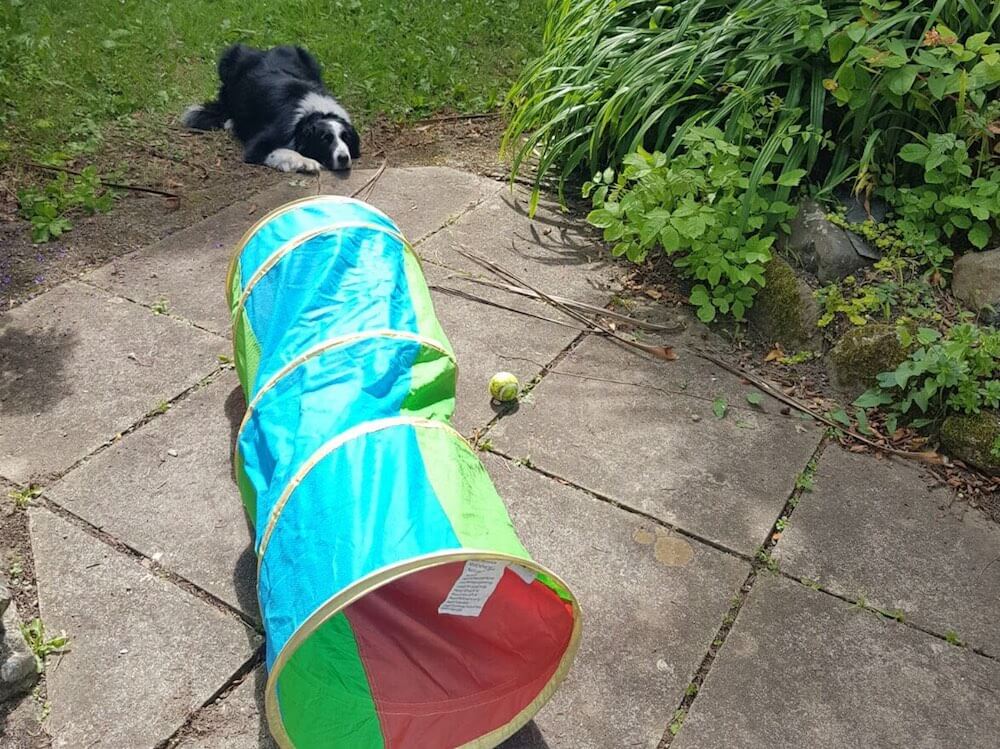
<point>275,99</point>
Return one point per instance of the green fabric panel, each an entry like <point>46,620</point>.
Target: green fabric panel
<point>432,386</point>
<point>466,493</point>
<point>246,489</point>
<point>324,693</point>
<point>420,296</point>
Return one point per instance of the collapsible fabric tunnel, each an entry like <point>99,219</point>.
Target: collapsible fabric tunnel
<point>400,608</point>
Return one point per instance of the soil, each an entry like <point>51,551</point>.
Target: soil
<point>206,172</point>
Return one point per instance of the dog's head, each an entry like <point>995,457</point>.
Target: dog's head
<point>329,139</point>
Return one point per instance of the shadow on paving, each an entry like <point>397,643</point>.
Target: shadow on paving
<point>562,241</point>
<point>245,571</point>
<point>32,369</point>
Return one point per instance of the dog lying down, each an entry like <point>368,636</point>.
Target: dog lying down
<point>275,102</point>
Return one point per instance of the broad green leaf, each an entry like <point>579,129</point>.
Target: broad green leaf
<point>915,153</point>
<point>901,79</point>
<point>719,407</point>
<point>755,399</point>
<point>839,45</point>
<point>979,235</point>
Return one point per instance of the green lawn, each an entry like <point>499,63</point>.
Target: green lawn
<point>68,67</point>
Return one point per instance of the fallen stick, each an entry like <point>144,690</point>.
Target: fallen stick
<point>115,185</point>
<point>661,352</point>
<point>462,294</point>
<point>764,386</point>
<point>582,306</point>
<point>370,184</point>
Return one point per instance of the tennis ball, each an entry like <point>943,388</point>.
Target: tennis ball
<point>504,387</point>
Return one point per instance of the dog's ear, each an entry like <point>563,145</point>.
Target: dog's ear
<point>309,63</point>
<point>352,140</point>
<point>235,59</point>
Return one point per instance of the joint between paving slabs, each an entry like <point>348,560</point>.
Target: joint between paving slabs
<point>161,571</point>
<point>761,562</point>
<point>477,439</point>
<point>229,686</point>
<point>625,508</point>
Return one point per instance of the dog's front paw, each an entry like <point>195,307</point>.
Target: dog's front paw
<point>287,160</point>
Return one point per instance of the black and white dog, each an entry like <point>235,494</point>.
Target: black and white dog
<point>275,102</point>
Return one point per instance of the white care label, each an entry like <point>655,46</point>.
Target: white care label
<point>473,588</point>
<point>525,574</point>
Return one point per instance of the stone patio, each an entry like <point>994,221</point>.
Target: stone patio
<point>115,401</point>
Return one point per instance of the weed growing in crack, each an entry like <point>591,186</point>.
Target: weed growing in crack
<point>952,638</point>
<point>807,479</point>
<point>781,524</point>
<point>678,721</point>
<point>161,408</point>
<point>23,497</point>
<point>160,307</point>
<point>810,583</point>
<point>41,645</point>
<point>691,691</point>
<point>765,560</point>
<point>486,446</point>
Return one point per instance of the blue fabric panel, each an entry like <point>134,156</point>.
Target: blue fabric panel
<point>366,505</point>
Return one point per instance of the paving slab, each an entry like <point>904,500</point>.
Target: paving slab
<point>143,653</point>
<point>167,491</point>
<point>652,602</point>
<point>233,722</point>
<point>553,252</point>
<point>663,453</point>
<point>79,365</point>
<point>804,669</point>
<point>875,529</point>
<point>488,340</point>
<point>188,269</point>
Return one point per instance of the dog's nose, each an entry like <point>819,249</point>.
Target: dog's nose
<point>341,162</point>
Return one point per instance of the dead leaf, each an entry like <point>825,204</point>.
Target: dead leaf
<point>252,209</point>
<point>172,203</point>
<point>654,294</point>
<point>775,354</point>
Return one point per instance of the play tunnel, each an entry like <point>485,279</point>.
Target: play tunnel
<point>400,608</point>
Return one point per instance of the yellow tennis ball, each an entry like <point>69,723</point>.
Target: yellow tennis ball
<point>504,387</point>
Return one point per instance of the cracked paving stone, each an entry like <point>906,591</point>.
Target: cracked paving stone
<point>874,528</point>
<point>78,366</point>
<point>804,669</point>
<point>652,601</point>
<point>234,722</point>
<point>725,480</point>
<point>143,653</point>
<point>167,491</point>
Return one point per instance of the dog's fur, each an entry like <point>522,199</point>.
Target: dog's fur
<point>275,102</point>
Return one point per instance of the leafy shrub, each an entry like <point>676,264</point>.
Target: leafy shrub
<point>47,208</point>
<point>692,207</point>
<point>955,371</point>
<point>616,76</point>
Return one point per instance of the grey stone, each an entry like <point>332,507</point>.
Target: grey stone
<point>79,366</point>
<point>652,602</point>
<point>487,340</point>
<point>189,268</point>
<point>724,479</point>
<point>972,438</point>
<point>552,252</point>
<point>18,672</point>
<point>874,529</point>
<point>823,249</point>
<point>975,279</point>
<point>857,213</point>
<point>803,669</point>
<point>234,722</point>
<point>5,598</point>
<point>785,310</point>
<point>143,653</point>
<point>860,355</point>
<point>185,512</point>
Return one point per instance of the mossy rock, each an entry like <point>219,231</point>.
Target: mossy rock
<point>784,311</point>
<point>971,437</point>
<point>860,355</point>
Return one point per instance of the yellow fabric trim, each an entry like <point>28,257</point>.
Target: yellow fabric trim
<point>325,346</point>
<point>386,575</point>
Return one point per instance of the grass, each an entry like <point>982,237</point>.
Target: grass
<point>69,67</point>
<point>41,644</point>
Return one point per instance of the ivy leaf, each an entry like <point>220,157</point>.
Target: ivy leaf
<point>979,235</point>
<point>754,399</point>
<point>862,419</point>
<point>901,80</point>
<point>719,407</point>
<point>841,417</point>
<point>839,45</point>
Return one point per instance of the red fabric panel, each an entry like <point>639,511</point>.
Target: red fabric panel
<point>440,681</point>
